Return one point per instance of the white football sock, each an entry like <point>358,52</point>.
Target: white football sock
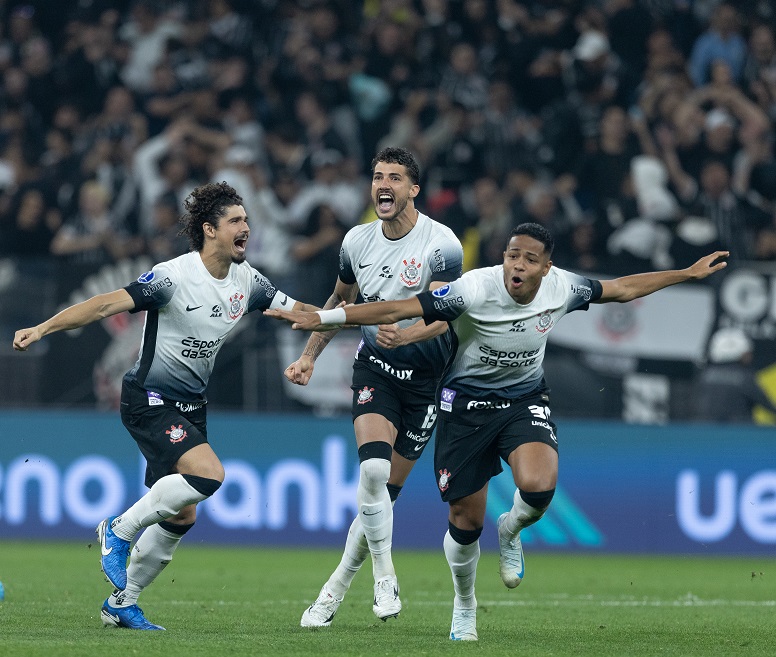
<point>166,498</point>
<point>521,515</point>
<point>150,556</point>
<point>463,565</point>
<point>376,514</point>
<point>356,552</point>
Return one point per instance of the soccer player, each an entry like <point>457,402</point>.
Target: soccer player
<point>395,373</point>
<point>193,302</point>
<point>494,403</point>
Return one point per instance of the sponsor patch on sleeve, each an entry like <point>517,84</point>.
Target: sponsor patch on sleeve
<point>441,292</point>
<point>146,278</point>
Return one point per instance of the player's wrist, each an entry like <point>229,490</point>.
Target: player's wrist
<point>335,316</point>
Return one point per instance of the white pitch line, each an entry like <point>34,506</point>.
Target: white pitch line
<point>560,601</point>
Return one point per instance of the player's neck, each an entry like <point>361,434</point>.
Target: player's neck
<point>217,266</point>
<point>402,224</point>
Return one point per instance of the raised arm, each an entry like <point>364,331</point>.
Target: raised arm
<point>628,288</point>
<point>81,314</point>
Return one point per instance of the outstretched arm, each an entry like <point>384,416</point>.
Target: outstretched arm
<point>301,369</point>
<point>81,314</point>
<point>381,312</point>
<point>391,336</point>
<point>628,288</point>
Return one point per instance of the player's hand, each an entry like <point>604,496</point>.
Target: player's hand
<point>300,371</point>
<point>390,336</point>
<point>25,337</point>
<point>709,264</point>
<point>299,319</point>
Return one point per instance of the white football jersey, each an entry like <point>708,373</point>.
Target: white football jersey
<point>190,314</point>
<point>387,270</point>
<point>500,343</point>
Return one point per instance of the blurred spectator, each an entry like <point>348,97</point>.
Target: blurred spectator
<point>722,41</point>
<point>92,236</point>
<point>316,252</point>
<point>727,389</point>
<point>760,69</point>
<point>165,241</point>
<point>146,33</point>
<point>29,227</point>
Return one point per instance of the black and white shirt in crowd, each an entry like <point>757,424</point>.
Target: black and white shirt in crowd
<point>500,343</point>
<point>190,314</point>
<point>388,270</point>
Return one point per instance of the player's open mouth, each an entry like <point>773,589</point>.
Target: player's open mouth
<point>517,281</point>
<point>384,202</point>
<point>240,243</point>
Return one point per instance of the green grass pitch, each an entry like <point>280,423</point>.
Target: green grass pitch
<point>218,601</point>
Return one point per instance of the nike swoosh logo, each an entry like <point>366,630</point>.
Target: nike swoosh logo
<point>371,514</point>
<point>189,308</point>
<point>364,266</point>
<point>112,617</point>
<point>285,300</point>
<point>105,552</point>
<point>419,447</point>
<point>522,568</point>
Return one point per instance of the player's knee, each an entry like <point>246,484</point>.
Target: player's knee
<point>203,485</point>
<point>375,468</point>
<point>181,525</point>
<point>539,500</point>
<point>464,536</point>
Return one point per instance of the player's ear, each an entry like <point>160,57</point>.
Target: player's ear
<point>414,191</point>
<point>209,229</point>
<point>546,269</point>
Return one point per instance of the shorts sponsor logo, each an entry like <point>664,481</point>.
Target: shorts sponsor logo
<point>411,274</point>
<point>187,407</point>
<point>365,395</point>
<point>176,434</point>
<point>422,437</point>
<point>154,399</point>
<point>402,375</point>
<point>236,307</point>
<point>479,404</point>
<point>446,399</point>
<point>444,480</point>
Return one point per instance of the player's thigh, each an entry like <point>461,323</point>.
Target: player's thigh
<point>465,456</point>
<point>534,466</point>
<point>376,407</point>
<point>202,462</point>
<point>468,513</point>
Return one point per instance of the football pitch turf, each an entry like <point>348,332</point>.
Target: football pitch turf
<point>223,601</point>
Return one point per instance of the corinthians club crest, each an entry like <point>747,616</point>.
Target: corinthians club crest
<point>410,276</point>
<point>236,305</point>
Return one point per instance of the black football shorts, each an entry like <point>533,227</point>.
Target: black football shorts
<point>475,435</point>
<point>163,429</point>
<point>410,406</point>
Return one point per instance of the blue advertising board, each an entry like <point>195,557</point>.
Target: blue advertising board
<point>291,480</point>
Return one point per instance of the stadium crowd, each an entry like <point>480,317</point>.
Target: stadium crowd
<point>639,132</point>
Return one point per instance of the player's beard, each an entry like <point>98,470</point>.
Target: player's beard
<point>399,207</point>
<point>237,259</point>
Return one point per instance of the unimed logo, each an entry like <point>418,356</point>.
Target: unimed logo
<point>35,489</point>
<point>708,509</point>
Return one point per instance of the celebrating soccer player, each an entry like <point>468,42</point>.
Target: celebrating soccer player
<point>494,403</point>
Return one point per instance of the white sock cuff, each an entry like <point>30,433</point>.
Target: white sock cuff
<point>374,475</point>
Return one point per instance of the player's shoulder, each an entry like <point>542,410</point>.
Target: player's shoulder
<point>438,229</point>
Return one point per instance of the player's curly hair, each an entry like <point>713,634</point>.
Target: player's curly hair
<point>206,204</point>
<point>539,233</point>
<point>392,155</point>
